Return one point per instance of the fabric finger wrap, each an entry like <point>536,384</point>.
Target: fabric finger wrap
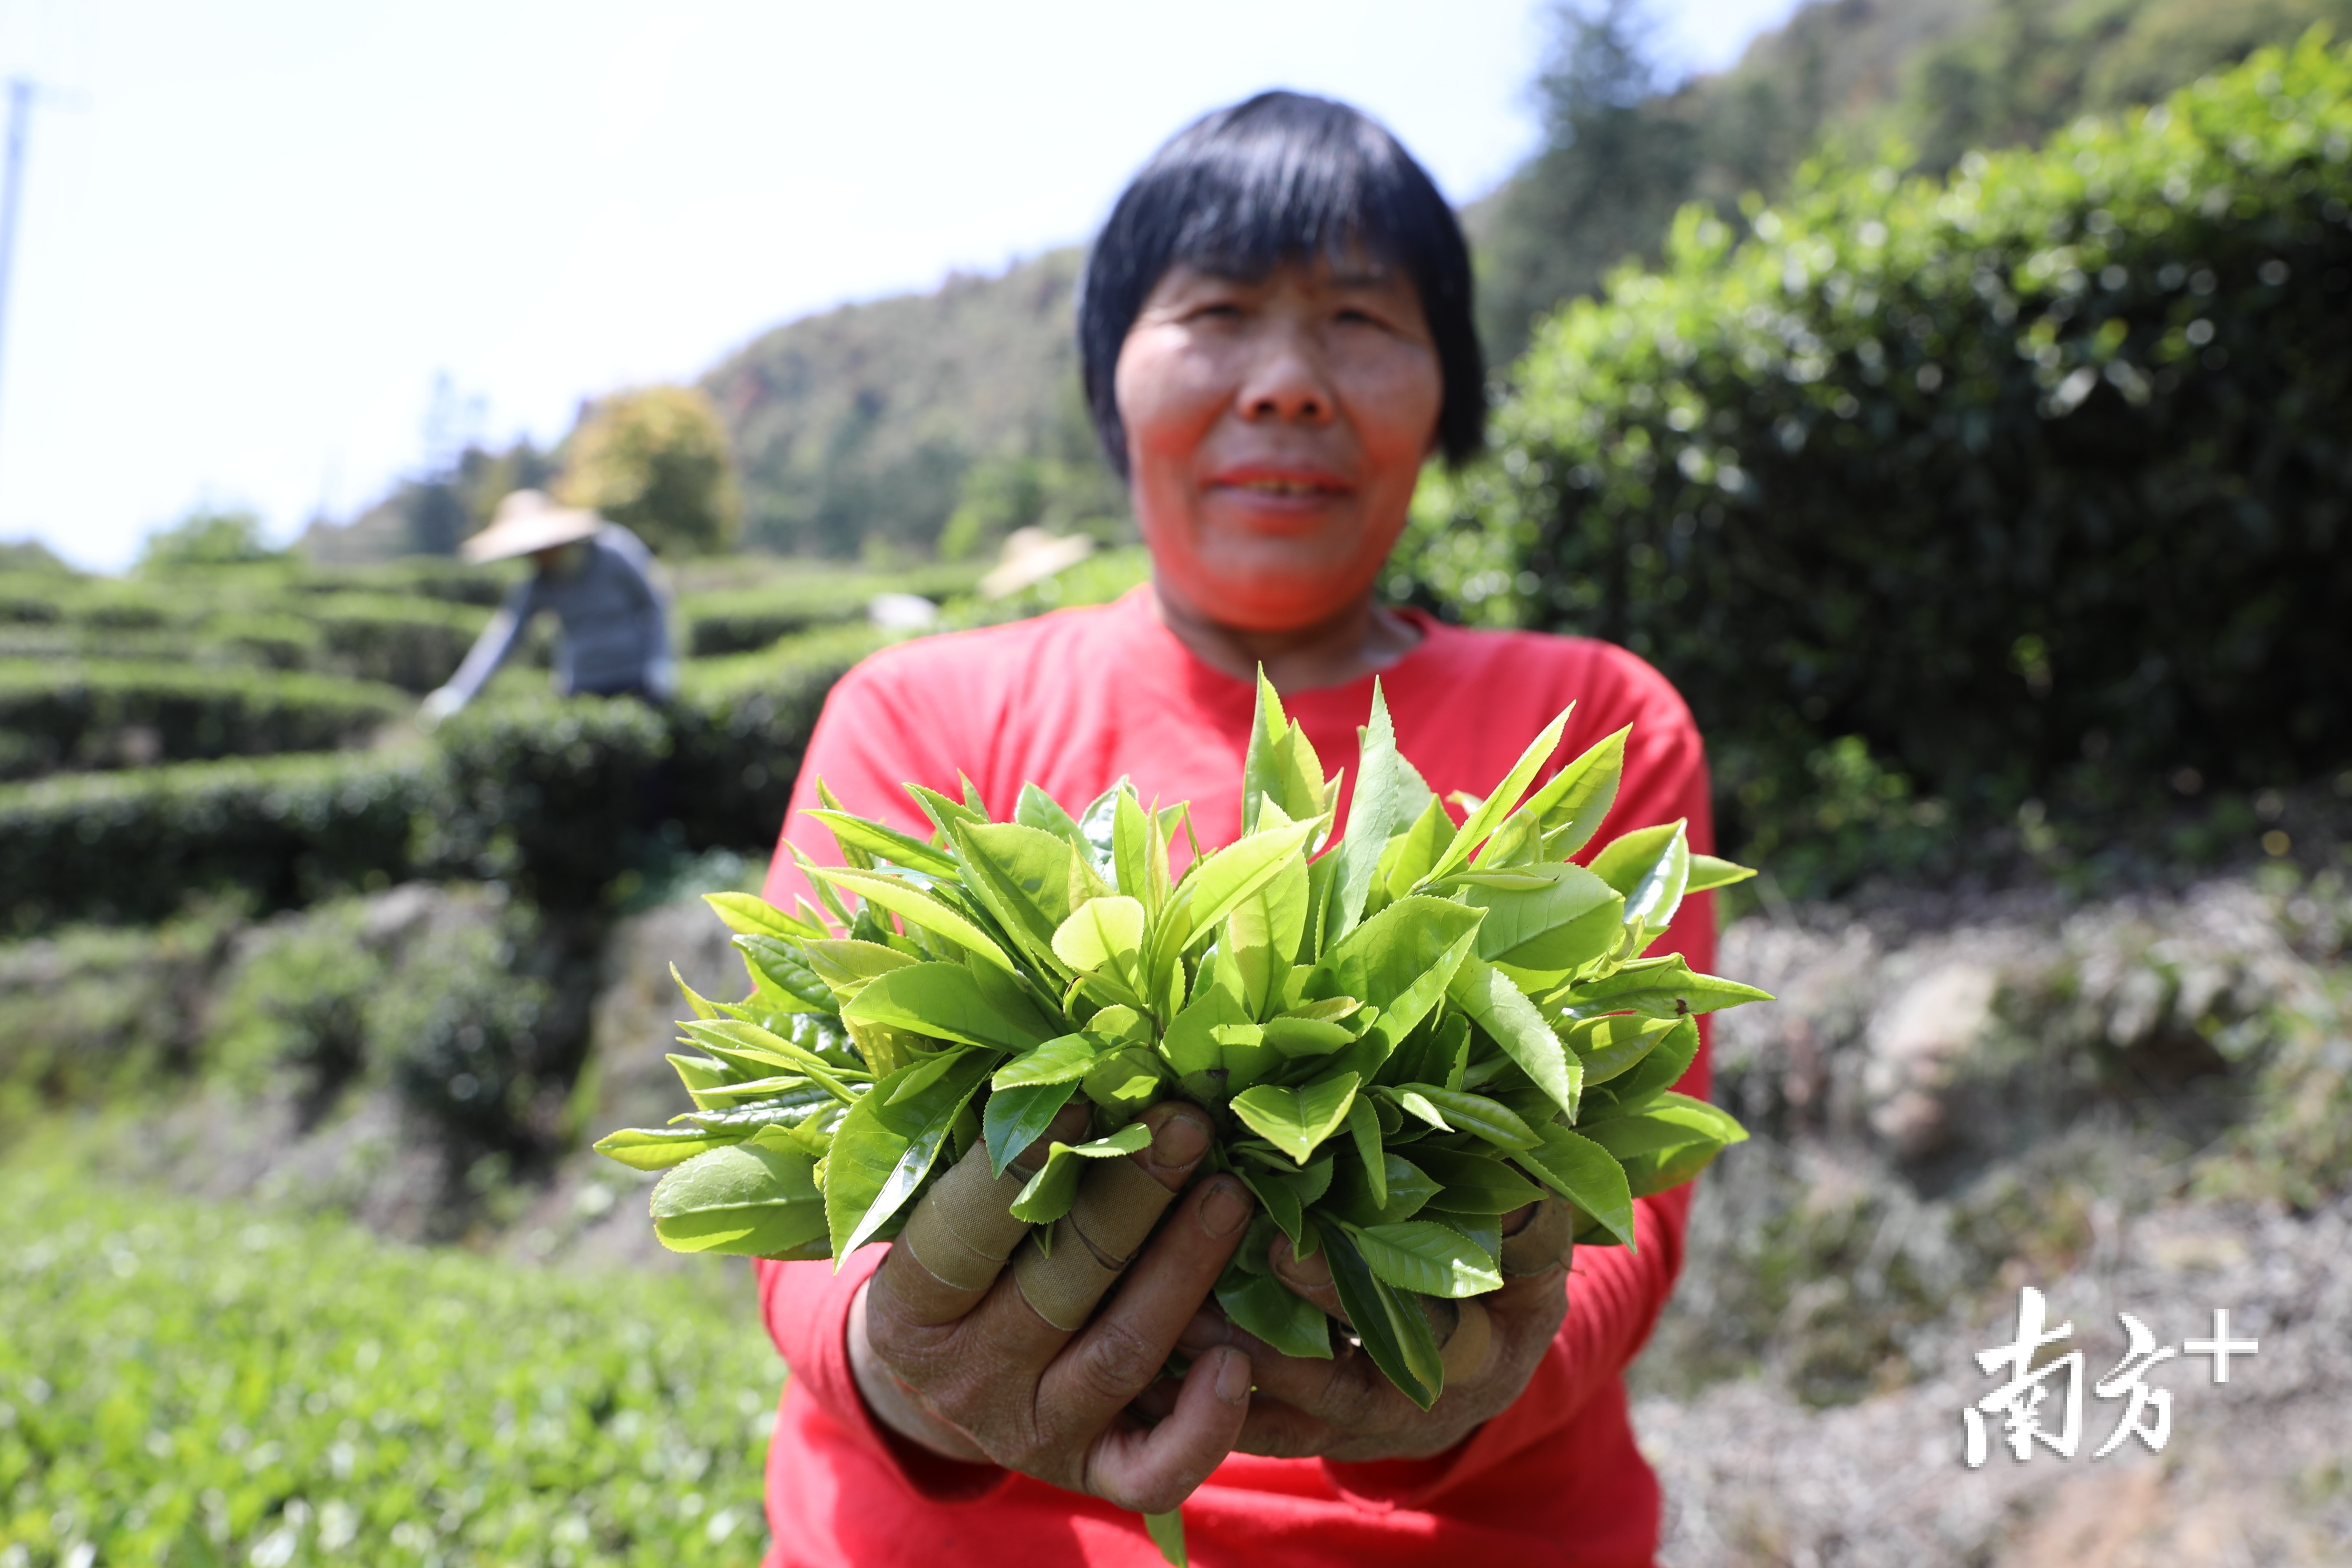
<point>1542,1243</point>
<point>1116,1206</point>
<point>963,1230</point>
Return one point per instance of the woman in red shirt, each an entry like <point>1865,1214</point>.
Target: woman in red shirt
<point>1276,333</point>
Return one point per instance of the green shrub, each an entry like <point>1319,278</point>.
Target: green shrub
<point>34,597</point>
<point>132,845</point>
<point>466,1033</point>
<point>197,1383</point>
<point>746,620</point>
<point>273,641</point>
<point>441,578</point>
<point>207,537</point>
<point>740,727</point>
<point>92,1012</point>
<point>294,1008</point>
<point>552,795</point>
<point>414,644</point>
<point>119,714</point>
<point>2036,480</point>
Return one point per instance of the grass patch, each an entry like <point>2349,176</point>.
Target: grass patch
<point>200,1383</point>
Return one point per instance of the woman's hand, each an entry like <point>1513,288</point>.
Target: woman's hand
<point>960,1354</point>
<point>1347,1409</point>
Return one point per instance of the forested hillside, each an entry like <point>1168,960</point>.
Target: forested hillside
<point>1626,145</point>
<point>861,428</point>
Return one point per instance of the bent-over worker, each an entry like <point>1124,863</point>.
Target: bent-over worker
<point>606,588</point>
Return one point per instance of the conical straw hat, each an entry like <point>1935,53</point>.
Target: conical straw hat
<point>528,521</point>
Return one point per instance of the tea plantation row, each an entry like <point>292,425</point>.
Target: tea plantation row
<point>203,1384</point>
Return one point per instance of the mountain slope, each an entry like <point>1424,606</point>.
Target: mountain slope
<point>857,427</point>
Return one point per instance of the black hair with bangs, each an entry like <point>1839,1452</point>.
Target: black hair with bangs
<point>1281,178</point>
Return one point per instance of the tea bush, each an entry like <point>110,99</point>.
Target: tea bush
<point>103,714</point>
<point>133,845</point>
<point>2035,480</point>
<point>197,1383</point>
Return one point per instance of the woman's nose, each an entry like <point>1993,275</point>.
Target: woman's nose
<point>1286,382</point>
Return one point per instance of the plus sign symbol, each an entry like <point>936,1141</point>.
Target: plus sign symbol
<point>2221,1347</point>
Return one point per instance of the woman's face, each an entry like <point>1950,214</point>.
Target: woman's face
<point>1274,430</point>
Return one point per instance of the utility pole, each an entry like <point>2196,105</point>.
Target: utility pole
<point>21,90</point>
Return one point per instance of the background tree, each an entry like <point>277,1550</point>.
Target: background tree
<point>207,537</point>
<point>657,460</point>
<point>1616,163</point>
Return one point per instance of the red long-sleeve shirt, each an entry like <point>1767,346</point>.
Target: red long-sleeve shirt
<point>1071,701</point>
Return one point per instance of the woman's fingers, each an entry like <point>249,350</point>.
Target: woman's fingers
<point>1121,1352</point>
<point>957,1240</point>
<point>1152,1469</point>
<point>1117,1203</point>
<point>1538,1237</point>
<point>1309,1277</point>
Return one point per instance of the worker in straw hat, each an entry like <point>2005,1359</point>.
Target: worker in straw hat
<point>606,591</point>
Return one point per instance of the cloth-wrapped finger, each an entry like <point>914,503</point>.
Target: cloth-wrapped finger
<point>1117,1203</point>
<point>1544,1241</point>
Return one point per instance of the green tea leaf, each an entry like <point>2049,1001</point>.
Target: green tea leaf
<point>1660,1070</point>
<point>1613,1044</point>
<point>1406,1188</point>
<point>1167,1532</point>
<point>882,1152</point>
<point>1022,877</point>
<point>1565,920</point>
<point>1507,796</point>
<point>919,1076</point>
<point>917,908</point>
<point>1400,961</point>
<point>845,966</point>
<point>786,965</point>
<point>1650,866</point>
<point>733,1041</point>
<point>1473,1183</point>
<point>746,1198</point>
<point>1661,987</point>
<point>1429,1258</point>
<point>642,1149</point>
<point>1411,856</point>
<point>1669,1121</point>
<point>1707,873</point>
<point>1265,930</point>
<point>1586,1174</point>
<point>889,844</point>
<point>1063,1059</point>
<point>1576,801</point>
<point>1377,811</point>
<point>1036,809</point>
<point>1106,934</point>
<point>942,809</point>
<point>1212,888</point>
<point>1279,766</point>
<point>1054,1187</point>
<point>747,915</point>
<point>1364,1128</point>
<point>1499,1007</point>
<point>1488,1119</point>
<point>1296,1120</point>
<point>1393,1331</point>
<point>1295,1036</point>
<point>1263,1305</point>
<point>1664,1168</point>
<point>944,1000</point>
<point>1018,1116</point>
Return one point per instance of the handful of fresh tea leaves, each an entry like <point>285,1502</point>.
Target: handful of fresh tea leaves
<point>1400,1035</point>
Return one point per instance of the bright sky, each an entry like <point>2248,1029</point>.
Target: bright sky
<point>254,232</point>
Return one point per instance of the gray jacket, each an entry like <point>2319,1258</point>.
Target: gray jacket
<point>615,613</point>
